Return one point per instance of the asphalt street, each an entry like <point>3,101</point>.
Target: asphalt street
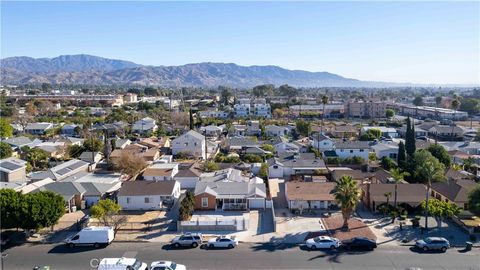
<point>246,256</point>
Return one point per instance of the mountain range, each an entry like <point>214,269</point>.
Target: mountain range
<point>88,69</point>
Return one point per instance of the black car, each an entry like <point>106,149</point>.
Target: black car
<point>359,243</point>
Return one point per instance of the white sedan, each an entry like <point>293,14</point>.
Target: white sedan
<point>223,242</point>
<point>323,242</point>
<point>166,265</point>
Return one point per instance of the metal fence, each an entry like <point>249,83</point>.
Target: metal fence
<point>238,224</point>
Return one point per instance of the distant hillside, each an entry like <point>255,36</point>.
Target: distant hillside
<point>87,69</point>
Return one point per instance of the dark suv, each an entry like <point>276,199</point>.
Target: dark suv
<point>188,240</point>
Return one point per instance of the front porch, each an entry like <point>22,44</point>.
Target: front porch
<point>232,204</point>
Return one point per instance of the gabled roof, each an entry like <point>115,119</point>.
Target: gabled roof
<point>346,144</point>
<point>66,189</point>
<point>62,171</point>
<point>298,160</point>
<point>41,126</point>
<point>188,170</point>
<point>455,190</point>
<point>231,189</point>
<point>18,141</point>
<point>141,188</point>
<point>410,193</point>
<point>244,142</point>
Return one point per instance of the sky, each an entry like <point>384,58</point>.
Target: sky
<point>419,42</point>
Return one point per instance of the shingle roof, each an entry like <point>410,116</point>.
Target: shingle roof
<point>140,188</point>
<point>455,190</point>
<point>231,189</point>
<point>346,144</point>
<point>39,126</point>
<point>310,191</point>
<point>11,164</point>
<point>410,193</point>
<point>298,160</point>
<point>18,141</point>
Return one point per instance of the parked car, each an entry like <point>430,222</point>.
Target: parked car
<point>188,240</point>
<point>166,265</point>
<point>433,243</point>
<point>223,241</point>
<point>359,243</point>
<point>92,236</point>
<point>121,264</point>
<point>321,242</point>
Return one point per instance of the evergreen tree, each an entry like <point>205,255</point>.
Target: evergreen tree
<point>401,156</point>
<point>410,139</point>
<point>191,119</point>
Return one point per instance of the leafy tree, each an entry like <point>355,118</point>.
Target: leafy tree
<point>251,158</point>
<point>397,176</point>
<point>347,194</point>
<point>303,127</point>
<point>192,121</point>
<point>474,200</point>
<point>263,171</point>
<point>10,208</point>
<point>268,147</point>
<point>441,154</point>
<point>470,105</point>
<point>263,90</point>
<point>389,113</point>
<point>371,135</point>
<point>6,130</point>
<point>226,95</point>
<point>150,91</point>
<point>41,210</point>
<point>38,158</point>
<point>372,156</point>
<point>93,145</point>
<point>210,166</point>
<point>5,150</point>
<point>388,163</point>
<point>129,163</point>
<point>107,212</point>
<point>187,206</point>
<point>440,210</point>
<point>287,90</point>
<point>418,101</point>
<point>74,151</point>
<point>401,156</point>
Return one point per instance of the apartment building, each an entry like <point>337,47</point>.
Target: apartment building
<point>366,109</point>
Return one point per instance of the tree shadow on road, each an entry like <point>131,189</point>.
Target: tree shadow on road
<point>63,249</point>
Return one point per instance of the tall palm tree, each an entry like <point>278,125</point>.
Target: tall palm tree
<point>324,102</point>
<point>397,176</point>
<point>431,173</point>
<point>347,194</point>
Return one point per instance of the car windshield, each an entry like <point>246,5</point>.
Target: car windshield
<point>137,265</point>
<point>428,240</point>
<point>317,239</point>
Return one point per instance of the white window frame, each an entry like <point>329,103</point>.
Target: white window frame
<point>204,201</point>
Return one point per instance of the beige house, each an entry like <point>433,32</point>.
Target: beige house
<point>13,170</point>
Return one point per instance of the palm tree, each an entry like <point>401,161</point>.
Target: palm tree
<point>397,176</point>
<point>347,194</point>
<point>388,195</point>
<point>324,102</point>
<point>431,173</point>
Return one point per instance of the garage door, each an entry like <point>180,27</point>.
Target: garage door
<point>256,203</point>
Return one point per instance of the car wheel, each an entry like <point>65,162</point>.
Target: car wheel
<point>177,245</point>
<point>96,245</point>
<point>211,246</point>
<point>313,247</point>
<point>194,244</point>
<point>332,247</point>
<point>71,245</point>
<point>425,248</point>
<point>230,246</point>
<point>444,249</point>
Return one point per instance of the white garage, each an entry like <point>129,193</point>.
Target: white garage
<point>256,203</point>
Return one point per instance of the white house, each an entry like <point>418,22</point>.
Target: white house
<point>253,128</point>
<point>276,131</point>
<point>144,125</point>
<point>192,143</point>
<point>345,149</point>
<point>385,149</point>
<point>242,109</point>
<point>262,110</point>
<point>287,148</point>
<point>322,142</point>
<point>294,164</point>
<point>188,175</point>
<point>161,172</point>
<point>147,195</point>
<point>212,131</point>
<point>310,195</point>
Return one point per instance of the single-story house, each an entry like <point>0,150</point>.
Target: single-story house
<point>62,171</point>
<point>122,143</point>
<point>38,128</point>
<point>294,164</point>
<point>91,157</point>
<point>385,149</point>
<point>310,195</point>
<point>144,126</point>
<point>345,149</point>
<point>229,195</point>
<point>188,175</point>
<point>321,141</point>
<point>453,191</point>
<point>277,131</point>
<point>71,129</point>
<point>386,131</point>
<point>409,194</point>
<point>147,195</point>
<point>161,172</point>
<point>13,170</point>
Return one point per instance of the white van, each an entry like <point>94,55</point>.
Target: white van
<point>121,264</point>
<point>92,236</point>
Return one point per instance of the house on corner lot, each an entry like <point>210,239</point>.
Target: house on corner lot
<point>293,164</point>
<point>147,195</point>
<point>310,195</point>
<point>191,143</point>
<point>239,196</point>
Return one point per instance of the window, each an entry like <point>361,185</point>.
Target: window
<point>76,237</point>
<point>351,151</point>
<point>204,202</point>
<point>361,150</point>
<point>128,200</point>
<point>147,200</point>
<point>275,167</point>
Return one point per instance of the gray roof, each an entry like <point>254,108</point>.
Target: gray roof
<point>195,134</point>
<point>256,150</point>
<point>231,189</point>
<point>18,141</point>
<point>345,144</point>
<point>61,171</point>
<point>298,160</point>
<point>11,164</point>
<point>245,142</point>
<point>141,188</point>
<point>66,189</point>
<point>36,126</point>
